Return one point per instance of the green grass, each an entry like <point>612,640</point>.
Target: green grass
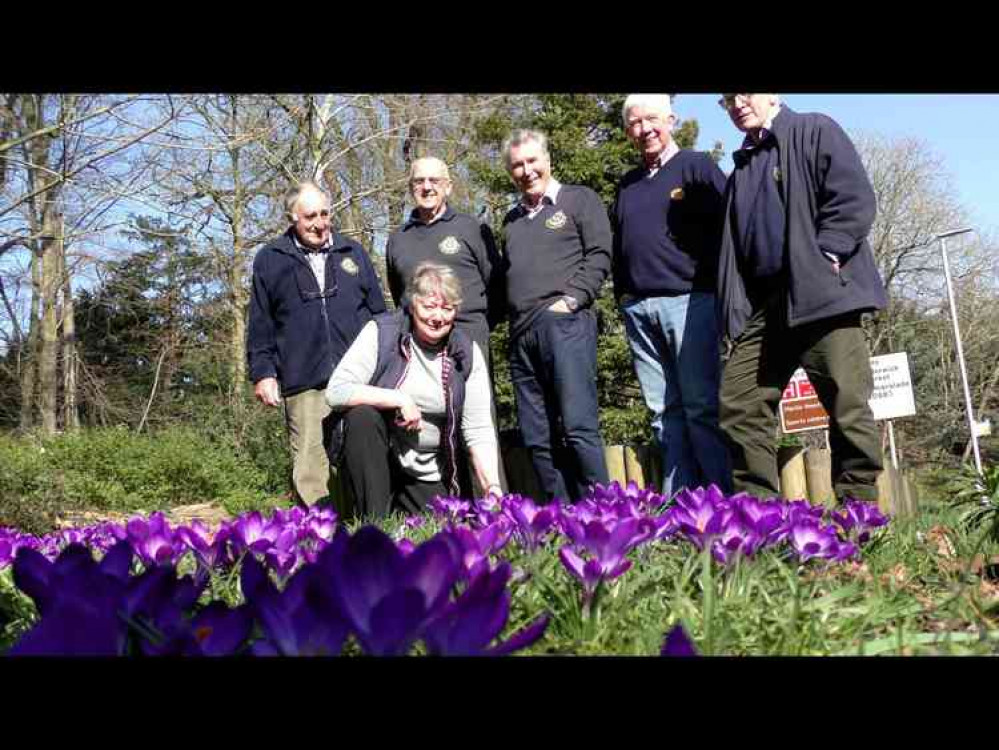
<point>914,591</point>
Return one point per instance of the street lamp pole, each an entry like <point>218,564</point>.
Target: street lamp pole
<point>960,350</point>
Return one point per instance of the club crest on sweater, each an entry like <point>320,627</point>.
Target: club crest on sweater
<point>777,174</point>
<point>348,265</point>
<point>676,194</point>
<point>449,245</point>
<point>556,220</point>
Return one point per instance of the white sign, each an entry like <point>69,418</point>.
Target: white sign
<point>892,397</point>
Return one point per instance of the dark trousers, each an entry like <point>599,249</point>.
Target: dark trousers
<point>553,366</point>
<point>378,483</point>
<point>834,353</point>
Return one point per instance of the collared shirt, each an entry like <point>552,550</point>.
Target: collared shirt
<point>550,196</point>
<point>316,258</point>
<point>414,216</point>
<point>664,156</point>
<point>749,142</point>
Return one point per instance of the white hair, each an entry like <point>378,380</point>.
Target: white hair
<point>655,102</point>
<point>517,137</point>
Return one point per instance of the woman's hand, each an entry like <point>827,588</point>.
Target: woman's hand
<point>408,415</point>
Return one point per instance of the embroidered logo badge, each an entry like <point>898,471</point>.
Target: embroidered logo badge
<point>676,194</point>
<point>556,220</point>
<point>777,174</point>
<point>348,265</point>
<point>449,245</point>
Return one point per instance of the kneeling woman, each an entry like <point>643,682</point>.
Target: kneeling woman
<point>407,383</point>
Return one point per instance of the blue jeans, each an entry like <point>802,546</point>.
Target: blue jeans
<point>675,347</point>
<point>553,366</point>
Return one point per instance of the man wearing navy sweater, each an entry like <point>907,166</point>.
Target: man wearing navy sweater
<point>558,247</point>
<point>795,274</point>
<point>667,218</point>
<point>436,232</point>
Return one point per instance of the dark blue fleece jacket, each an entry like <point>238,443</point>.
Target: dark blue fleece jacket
<point>296,333</point>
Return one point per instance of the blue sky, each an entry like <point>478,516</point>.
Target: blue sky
<point>961,128</point>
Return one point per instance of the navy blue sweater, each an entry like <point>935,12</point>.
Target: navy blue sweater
<point>758,211</point>
<point>830,207</point>
<point>455,240</point>
<point>564,249</point>
<point>667,227</point>
<point>296,333</point>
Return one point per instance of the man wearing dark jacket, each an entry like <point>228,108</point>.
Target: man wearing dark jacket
<point>795,274</point>
<point>558,253</point>
<point>313,291</point>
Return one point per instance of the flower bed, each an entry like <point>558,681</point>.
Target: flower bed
<point>441,584</point>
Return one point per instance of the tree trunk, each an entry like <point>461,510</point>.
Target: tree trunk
<point>48,383</point>
<point>71,415</point>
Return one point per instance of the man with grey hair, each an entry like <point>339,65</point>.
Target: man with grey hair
<point>558,247</point>
<point>436,232</point>
<point>313,291</point>
<point>795,275</point>
<point>667,217</point>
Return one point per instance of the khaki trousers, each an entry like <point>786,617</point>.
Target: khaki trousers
<point>306,415</point>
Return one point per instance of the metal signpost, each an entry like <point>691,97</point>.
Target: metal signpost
<point>972,424</point>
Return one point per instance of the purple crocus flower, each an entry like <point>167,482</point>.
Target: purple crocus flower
<point>77,599</point>
<point>858,519</point>
<point>678,643</point>
<point>153,540</point>
<point>218,630</point>
<point>466,626</point>
<point>475,547</point>
<point>453,509</point>
<point>387,597</point>
<point>530,523</point>
<point>606,544</point>
<point>251,532</point>
<point>301,620</point>
<point>809,539</point>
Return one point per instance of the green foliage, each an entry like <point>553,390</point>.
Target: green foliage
<point>979,496</point>
<point>117,470</point>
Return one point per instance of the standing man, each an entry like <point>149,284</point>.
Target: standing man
<point>667,215</point>
<point>795,275</point>
<point>437,233</point>
<point>313,291</point>
<point>558,253</point>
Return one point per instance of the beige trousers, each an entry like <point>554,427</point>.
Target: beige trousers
<point>305,413</point>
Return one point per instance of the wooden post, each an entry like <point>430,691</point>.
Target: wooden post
<point>886,502</point>
<point>633,466</point>
<point>652,465</point>
<point>793,480</point>
<point>818,472</point>
<point>614,456</point>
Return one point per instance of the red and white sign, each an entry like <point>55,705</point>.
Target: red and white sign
<point>801,410</point>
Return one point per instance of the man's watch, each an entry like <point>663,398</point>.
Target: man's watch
<point>571,302</point>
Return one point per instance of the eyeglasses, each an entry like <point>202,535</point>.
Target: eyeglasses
<point>435,181</point>
<point>728,100</point>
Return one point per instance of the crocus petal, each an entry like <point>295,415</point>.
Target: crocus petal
<point>677,643</point>
<point>523,638</point>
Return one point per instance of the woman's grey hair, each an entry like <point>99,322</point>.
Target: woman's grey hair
<point>518,137</point>
<point>293,193</point>
<point>655,102</point>
<point>429,278</point>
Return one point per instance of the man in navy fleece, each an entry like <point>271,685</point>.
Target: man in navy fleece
<point>667,219</point>
<point>558,247</point>
<point>795,274</point>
